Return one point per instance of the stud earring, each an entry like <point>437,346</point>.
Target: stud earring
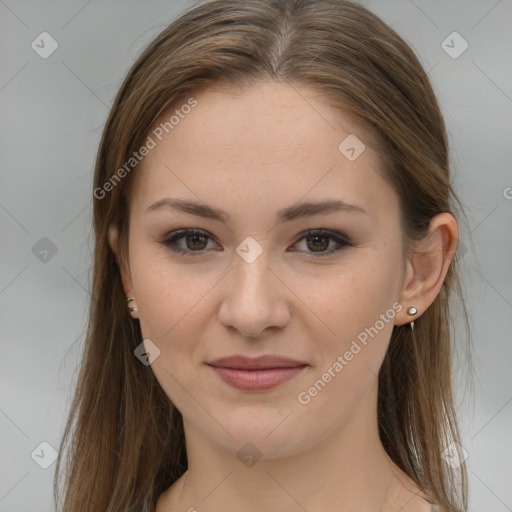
<point>128,300</point>
<point>411,311</point>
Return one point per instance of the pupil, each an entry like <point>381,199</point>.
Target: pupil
<point>315,240</point>
<point>316,237</point>
<point>195,237</point>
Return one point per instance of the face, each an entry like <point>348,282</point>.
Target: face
<point>262,274</point>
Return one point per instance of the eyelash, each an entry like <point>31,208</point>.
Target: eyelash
<point>170,241</point>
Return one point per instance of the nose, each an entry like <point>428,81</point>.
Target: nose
<point>254,298</point>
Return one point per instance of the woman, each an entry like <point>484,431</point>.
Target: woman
<point>275,252</point>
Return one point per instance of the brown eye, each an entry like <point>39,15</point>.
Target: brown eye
<point>317,242</point>
<point>193,241</point>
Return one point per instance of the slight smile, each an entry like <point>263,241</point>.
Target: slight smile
<point>257,374</point>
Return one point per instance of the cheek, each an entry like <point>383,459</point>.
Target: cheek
<point>354,295</point>
<point>167,293</point>
<point>349,360</point>
<point>357,306</point>
<point>172,316</point>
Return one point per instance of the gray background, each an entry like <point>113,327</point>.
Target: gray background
<point>52,113</point>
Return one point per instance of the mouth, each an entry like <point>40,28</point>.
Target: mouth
<point>257,374</point>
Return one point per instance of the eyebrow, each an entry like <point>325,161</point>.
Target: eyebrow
<point>296,211</point>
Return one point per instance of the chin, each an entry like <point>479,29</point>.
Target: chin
<point>269,435</point>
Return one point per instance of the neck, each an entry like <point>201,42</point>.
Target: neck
<point>349,466</point>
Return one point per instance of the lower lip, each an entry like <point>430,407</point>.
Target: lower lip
<point>257,380</point>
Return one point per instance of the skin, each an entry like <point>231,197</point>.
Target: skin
<point>252,153</point>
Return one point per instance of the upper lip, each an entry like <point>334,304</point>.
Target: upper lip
<point>256,363</point>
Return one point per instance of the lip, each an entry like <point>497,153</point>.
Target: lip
<point>264,362</point>
<point>257,374</point>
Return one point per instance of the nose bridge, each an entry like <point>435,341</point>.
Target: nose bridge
<point>253,280</point>
<point>253,300</point>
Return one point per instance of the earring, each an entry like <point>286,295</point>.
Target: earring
<point>411,311</point>
<point>128,300</point>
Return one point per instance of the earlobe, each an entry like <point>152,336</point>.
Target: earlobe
<point>428,266</point>
<point>409,296</point>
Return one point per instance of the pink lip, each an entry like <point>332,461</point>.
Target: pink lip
<point>256,374</point>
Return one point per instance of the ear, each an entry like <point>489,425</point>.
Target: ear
<point>427,267</point>
<point>113,241</point>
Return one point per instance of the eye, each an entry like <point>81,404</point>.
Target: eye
<point>190,241</point>
<point>195,242</point>
<point>319,240</point>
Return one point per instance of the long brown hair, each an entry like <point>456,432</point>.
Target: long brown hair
<point>126,439</point>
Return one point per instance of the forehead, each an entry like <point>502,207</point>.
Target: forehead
<point>266,114</point>
<point>259,144</point>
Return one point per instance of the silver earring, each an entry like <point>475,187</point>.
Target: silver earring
<point>411,311</point>
<point>128,300</point>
